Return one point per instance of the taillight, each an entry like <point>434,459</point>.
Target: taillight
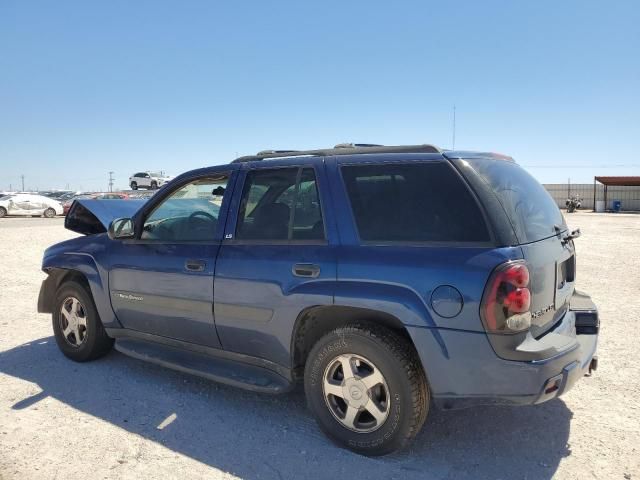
<point>507,299</point>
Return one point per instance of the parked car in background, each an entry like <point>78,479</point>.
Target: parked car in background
<point>55,194</point>
<point>95,196</point>
<point>150,180</point>
<point>29,204</point>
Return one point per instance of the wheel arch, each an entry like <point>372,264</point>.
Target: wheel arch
<point>314,322</point>
<point>83,268</point>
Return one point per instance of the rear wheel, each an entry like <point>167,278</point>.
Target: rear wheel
<point>154,185</point>
<point>49,213</point>
<point>366,388</point>
<point>76,324</point>
<point>3,212</point>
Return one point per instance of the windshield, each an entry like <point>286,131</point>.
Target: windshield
<point>531,210</point>
<point>6,197</point>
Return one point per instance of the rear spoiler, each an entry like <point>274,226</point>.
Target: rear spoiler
<point>90,217</point>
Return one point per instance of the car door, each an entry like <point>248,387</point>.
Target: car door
<point>19,205</point>
<point>37,204</point>
<point>161,282</point>
<point>276,259</point>
<point>145,179</point>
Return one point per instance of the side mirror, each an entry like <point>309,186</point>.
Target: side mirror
<point>121,229</point>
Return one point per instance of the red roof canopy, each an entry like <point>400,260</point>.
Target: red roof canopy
<point>619,181</point>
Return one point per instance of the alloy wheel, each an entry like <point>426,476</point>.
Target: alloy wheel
<point>356,393</point>
<point>73,321</point>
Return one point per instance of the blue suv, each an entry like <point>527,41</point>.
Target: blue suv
<point>386,279</point>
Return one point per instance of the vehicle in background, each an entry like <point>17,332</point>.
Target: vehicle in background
<point>150,180</point>
<point>95,196</point>
<point>29,204</point>
<point>55,194</point>
<point>68,196</point>
<point>142,194</point>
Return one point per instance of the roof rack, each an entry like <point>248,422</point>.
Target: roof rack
<point>340,149</point>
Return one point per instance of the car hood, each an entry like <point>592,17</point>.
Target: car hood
<point>90,217</point>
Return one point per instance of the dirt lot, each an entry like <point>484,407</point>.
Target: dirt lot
<point>121,418</point>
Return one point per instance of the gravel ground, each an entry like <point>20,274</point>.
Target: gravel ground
<point>121,418</point>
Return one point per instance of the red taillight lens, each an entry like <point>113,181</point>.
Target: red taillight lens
<point>517,275</point>
<point>507,299</point>
<point>518,300</point>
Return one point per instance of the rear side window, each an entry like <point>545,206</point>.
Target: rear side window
<point>531,210</point>
<point>416,202</point>
<point>280,204</point>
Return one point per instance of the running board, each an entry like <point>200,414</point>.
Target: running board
<point>236,374</point>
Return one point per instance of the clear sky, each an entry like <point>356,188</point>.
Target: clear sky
<point>92,86</point>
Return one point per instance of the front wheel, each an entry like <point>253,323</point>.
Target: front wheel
<point>49,213</point>
<point>3,212</point>
<point>134,186</point>
<point>367,389</point>
<point>76,324</point>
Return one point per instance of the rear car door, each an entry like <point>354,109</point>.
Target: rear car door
<point>276,259</point>
<point>161,283</point>
<point>38,204</point>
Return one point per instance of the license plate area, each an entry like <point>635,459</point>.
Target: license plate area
<point>565,278</point>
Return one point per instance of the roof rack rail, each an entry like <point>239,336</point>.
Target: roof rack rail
<point>340,149</point>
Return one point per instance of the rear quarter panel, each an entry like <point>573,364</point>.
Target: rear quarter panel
<point>400,280</point>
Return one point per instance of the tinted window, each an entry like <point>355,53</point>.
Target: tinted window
<point>280,204</point>
<point>417,202</point>
<point>530,208</point>
<point>188,214</point>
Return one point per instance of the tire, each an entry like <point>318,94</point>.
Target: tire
<point>134,186</point>
<point>401,396</point>
<point>94,342</point>
<point>3,212</point>
<point>49,213</point>
<point>154,185</point>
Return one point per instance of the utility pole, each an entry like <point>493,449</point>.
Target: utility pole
<point>22,177</point>
<point>111,181</point>
<point>453,142</point>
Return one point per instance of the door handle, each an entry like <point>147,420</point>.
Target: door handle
<point>195,265</point>
<point>308,270</point>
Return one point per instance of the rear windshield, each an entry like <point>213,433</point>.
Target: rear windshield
<point>531,210</point>
<point>413,202</point>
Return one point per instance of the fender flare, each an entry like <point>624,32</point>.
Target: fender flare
<point>68,264</point>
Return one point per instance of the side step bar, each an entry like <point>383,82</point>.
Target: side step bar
<point>248,377</point>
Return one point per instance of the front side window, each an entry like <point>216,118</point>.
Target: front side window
<point>280,204</point>
<point>188,214</point>
<point>413,202</point>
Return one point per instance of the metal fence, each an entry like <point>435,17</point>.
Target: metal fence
<point>628,196</point>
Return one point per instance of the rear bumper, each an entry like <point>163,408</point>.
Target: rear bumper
<point>463,369</point>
